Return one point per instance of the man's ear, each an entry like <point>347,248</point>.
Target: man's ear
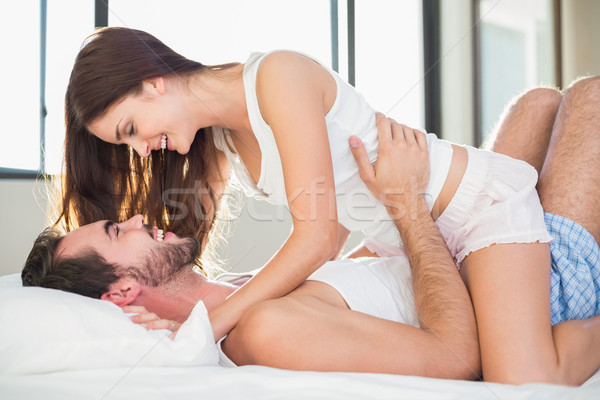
<point>155,86</point>
<point>123,292</point>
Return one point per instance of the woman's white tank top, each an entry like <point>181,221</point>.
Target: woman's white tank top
<point>350,115</point>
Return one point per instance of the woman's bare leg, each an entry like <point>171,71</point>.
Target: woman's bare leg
<point>525,126</point>
<point>509,284</point>
<point>510,288</point>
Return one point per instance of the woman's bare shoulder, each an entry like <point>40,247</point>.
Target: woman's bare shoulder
<point>287,61</point>
<point>286,76</point>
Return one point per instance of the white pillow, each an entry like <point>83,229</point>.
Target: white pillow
<point>45,330</point>
<point>13,280</point>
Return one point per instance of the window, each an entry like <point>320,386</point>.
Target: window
<point>516,52</point>
<point>215,32</point>
<point>29,74</point>
<point>211,32</point>
<point>20,68</point>
<point>389,58</point>
<point>63,42</point>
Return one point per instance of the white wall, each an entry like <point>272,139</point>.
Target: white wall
<point>22,212</point>
<point>580,34</point>
<point>257,231</point>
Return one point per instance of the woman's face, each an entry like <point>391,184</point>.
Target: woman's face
<point>141,120</point>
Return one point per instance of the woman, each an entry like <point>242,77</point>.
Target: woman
<point>281,124</point>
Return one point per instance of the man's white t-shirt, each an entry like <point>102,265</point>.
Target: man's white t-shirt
<point>381,287</point>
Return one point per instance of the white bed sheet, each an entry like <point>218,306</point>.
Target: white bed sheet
<point>254,382</point>
<point>33,365</point>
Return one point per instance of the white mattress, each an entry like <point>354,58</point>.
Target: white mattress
<point>254,382</point>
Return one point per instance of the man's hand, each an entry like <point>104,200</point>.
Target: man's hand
<point>401,173</point>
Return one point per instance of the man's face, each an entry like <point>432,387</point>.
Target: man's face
<point>134,246</point>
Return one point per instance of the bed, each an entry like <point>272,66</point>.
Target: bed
<point>57,345</point>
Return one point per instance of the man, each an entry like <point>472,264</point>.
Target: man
<point>126,264</point>
<point>296,331</point>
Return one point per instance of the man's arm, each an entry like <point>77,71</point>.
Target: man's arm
<point>399,179</point>
<point>312,328</point>
<point>441,298</point>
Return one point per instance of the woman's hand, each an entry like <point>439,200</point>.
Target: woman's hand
<point>150,321</point>
<point>401,172</point>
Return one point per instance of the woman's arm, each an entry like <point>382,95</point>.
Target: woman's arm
<point>294,93</point>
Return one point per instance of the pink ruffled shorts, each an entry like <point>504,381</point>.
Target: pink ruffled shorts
<point>496,202</point>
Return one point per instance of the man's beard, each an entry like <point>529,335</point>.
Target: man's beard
<point>166,262</point>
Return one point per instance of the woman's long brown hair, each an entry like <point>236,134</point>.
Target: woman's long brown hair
<point>106,181</point>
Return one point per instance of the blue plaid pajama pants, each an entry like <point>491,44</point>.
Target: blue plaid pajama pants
<point>575,276</point>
